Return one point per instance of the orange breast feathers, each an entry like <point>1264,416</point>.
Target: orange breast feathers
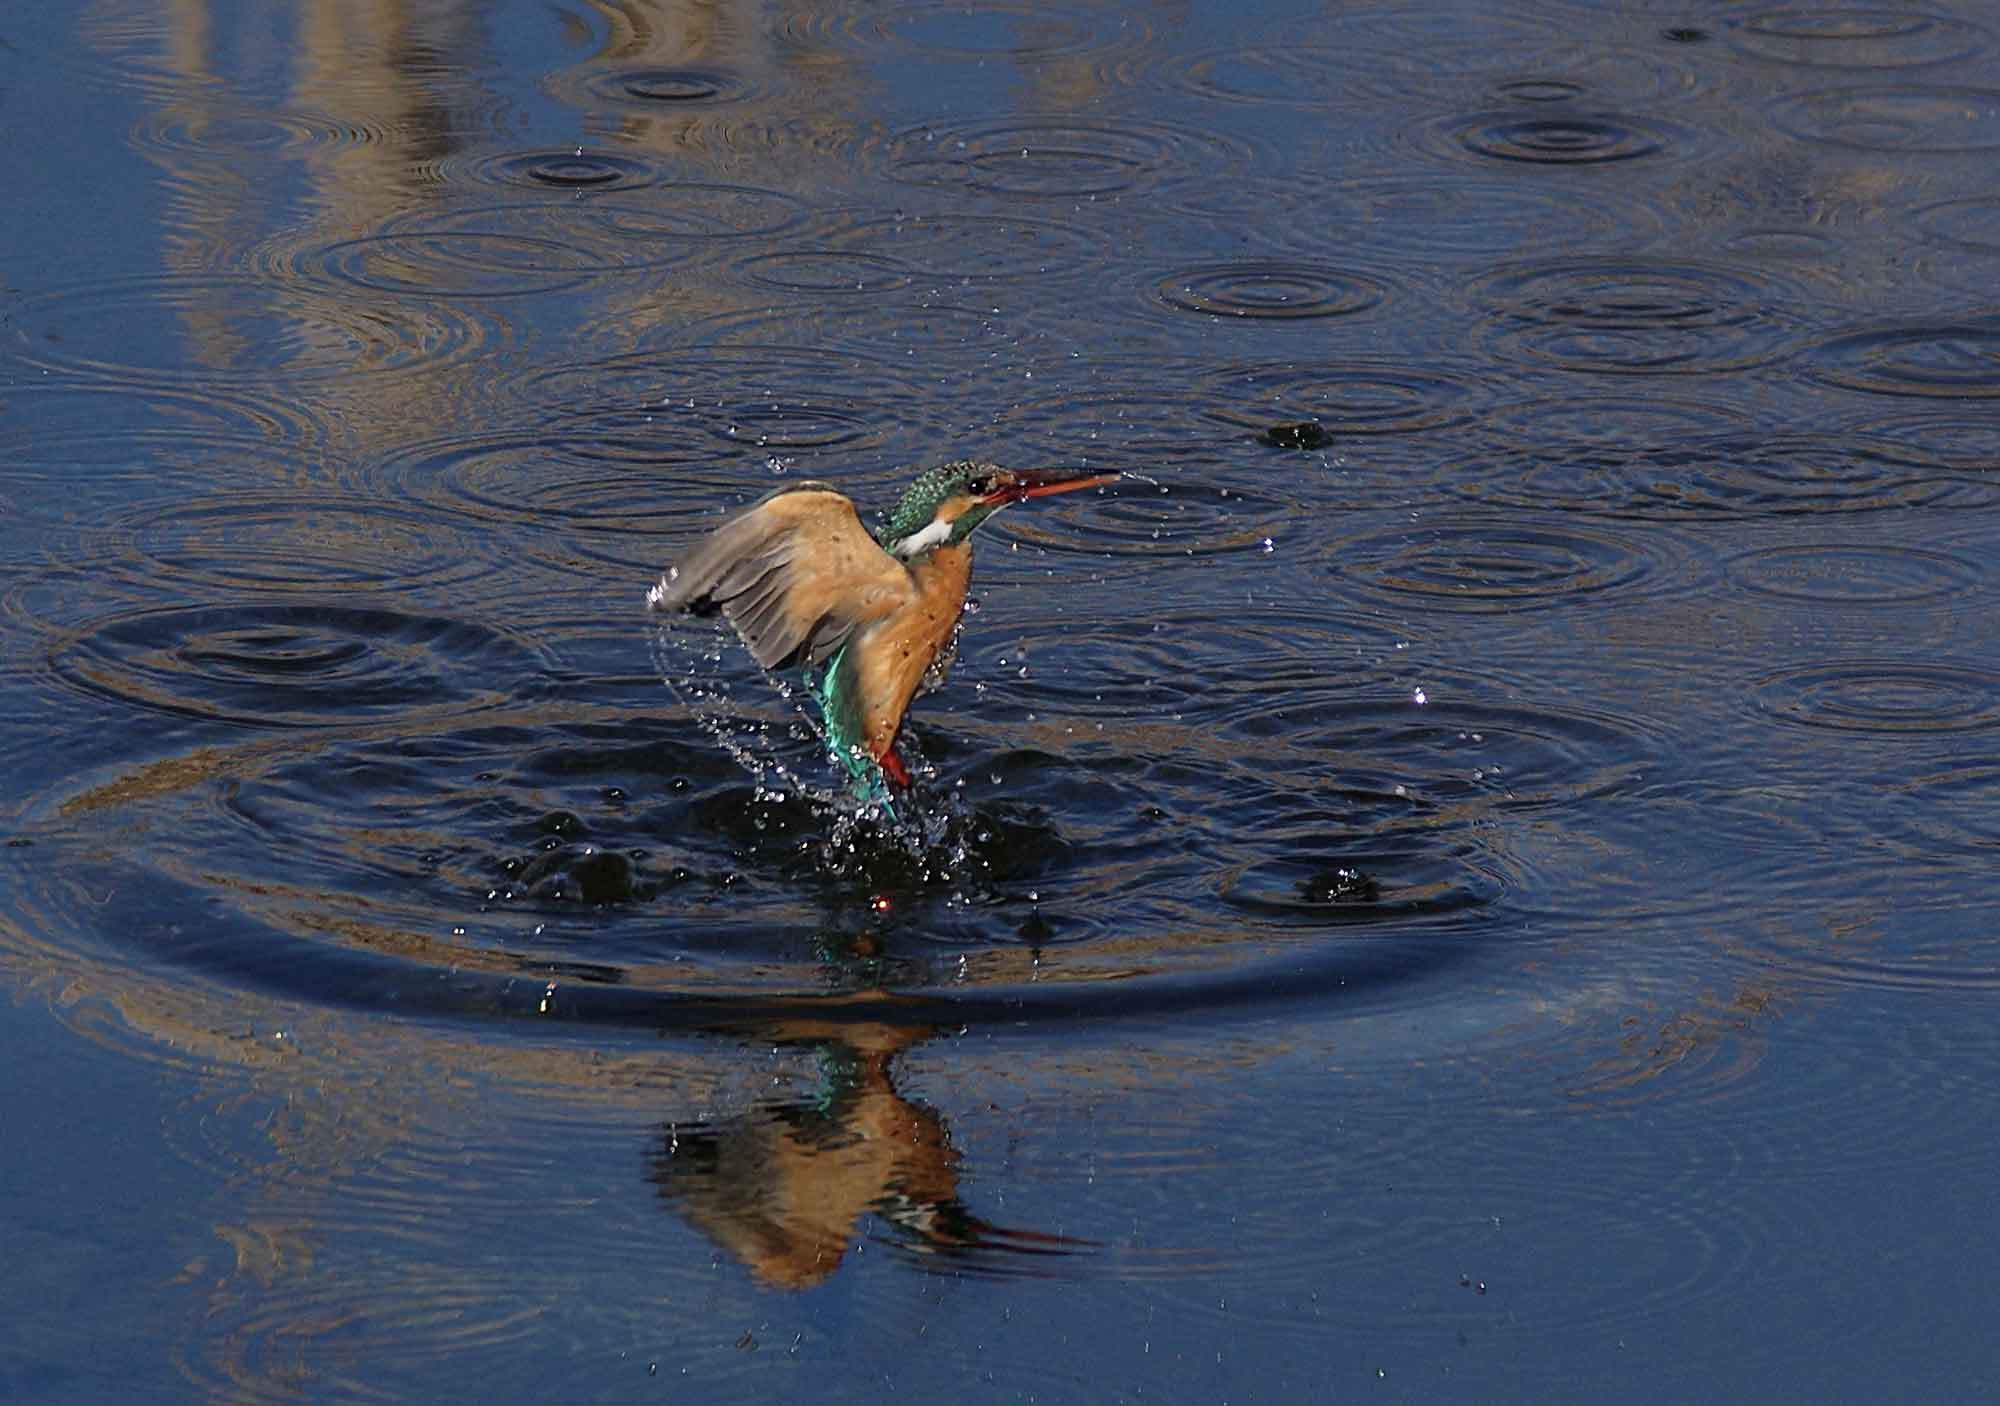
<point>891,656</point>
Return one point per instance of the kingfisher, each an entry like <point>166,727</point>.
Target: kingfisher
<point>871,617</point>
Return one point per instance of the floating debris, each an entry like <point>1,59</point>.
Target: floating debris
<point>1307,434</point>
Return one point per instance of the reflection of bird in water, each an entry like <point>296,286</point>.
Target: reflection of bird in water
<point>805,584</point>
<point>783,1187</point>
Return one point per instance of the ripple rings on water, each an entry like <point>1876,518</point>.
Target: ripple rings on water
<point>599,474</point>
<point>1399,765</point>
<point>1358,396</point>
<point>1556,138</point>
<point>1858,37</point>
<point>1882,696</point>
<point>241,437</point>
<point>1196,666</point>
<point>593,469</point>
<point>1302,76</point>
<point>1964,441</point>
<point>653,89</point>
<point>1894,119</point>
<point>819,273</point>
<point>1912,951</point>
<point>279,665</point>
<point>1463,218</point>
<point>227,129</point>
<point>1405,884</point>
<point>958,247</point>
<point>978,30</point>
<point>932,341</point>
<point>782,401</point>
<point>84,479</point>
<point>1402,50</point>
<point>289,543</point>
<point>1954,810</point>
<point>1632,422</point>
<point>1539,90</point>
<point>510,250</point>
<point>1637,318</point>
<point>1100,420</point>
<point>452,258</point>
<point>331,931</point>
<point>1722,476</point>
<point>1958,360</point>
<point>1972,222</point>
<point>1476,566</point>
<point>1280,290</point>
<point>1060,159</point>
<point>132,52</point>
<point>1161,522</point>
<point>563,170</point>
<point>1846,576</point>
<point>677,213</point>
<point>1597,74</point>
<point>211,328</point>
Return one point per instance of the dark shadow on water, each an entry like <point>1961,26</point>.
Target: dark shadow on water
<point>413,974</point>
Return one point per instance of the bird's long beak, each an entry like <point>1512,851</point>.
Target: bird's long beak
<point>1040,483</point>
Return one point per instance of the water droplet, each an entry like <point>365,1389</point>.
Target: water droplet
<point>1419,697</point>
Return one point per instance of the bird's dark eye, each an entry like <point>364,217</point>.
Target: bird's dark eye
<point>980,487</point>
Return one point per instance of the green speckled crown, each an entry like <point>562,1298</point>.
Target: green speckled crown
<point>919,503</point>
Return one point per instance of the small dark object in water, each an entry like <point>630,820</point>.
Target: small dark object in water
<point>579,874</point>
<point>562,823</point>
<point>1340,885</point>
<point>1684,34</point>
<point>1307,434</point>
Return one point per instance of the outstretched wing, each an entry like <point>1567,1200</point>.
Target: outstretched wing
<point>796,574</point>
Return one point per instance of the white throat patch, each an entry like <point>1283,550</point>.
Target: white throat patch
<point>918,543</point>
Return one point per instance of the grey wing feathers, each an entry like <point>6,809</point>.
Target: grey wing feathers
<point>795,573</point>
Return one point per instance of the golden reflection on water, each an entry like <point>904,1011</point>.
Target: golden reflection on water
<point>784,1187</point>
<point>359,1159</point>
<point>325,1127</point>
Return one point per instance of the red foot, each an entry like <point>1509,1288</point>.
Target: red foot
<point>892,767</point>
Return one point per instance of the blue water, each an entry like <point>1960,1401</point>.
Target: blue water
<point>1466,873</point>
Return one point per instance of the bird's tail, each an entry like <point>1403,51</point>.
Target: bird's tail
<point>839,706</point>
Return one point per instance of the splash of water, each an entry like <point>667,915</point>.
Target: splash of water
<point>924,838</point>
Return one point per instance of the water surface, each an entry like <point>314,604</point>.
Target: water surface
<point>1466,872</point>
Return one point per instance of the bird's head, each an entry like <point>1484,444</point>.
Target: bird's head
<point>946,503</point>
